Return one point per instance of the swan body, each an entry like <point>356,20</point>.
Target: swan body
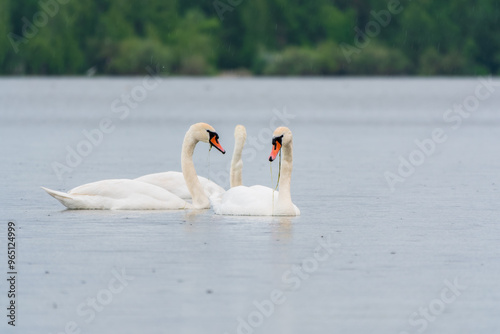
<point>251,201</point>
<point>124,194</point>
<point>119,194</point>
<point>261,200</point>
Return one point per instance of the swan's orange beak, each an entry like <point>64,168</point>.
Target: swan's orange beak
<point>214,141</point>
<point>276,148</point>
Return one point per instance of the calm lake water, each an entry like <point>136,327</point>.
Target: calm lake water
<point>423,256</point>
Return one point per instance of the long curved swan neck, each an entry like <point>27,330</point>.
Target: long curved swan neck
<point>200,200</point>
<point>236,163</point>
<point>285,198</point>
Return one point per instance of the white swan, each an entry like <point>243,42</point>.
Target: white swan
<point>126,194</point>
<point>175,183</point>
<point>260,200</point>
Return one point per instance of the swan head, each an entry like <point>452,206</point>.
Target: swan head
<point>282,136</point>
<point>206,133</point>
<point>240,133</point>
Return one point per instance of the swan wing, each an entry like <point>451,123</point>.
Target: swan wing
<point>170,181</point>
<point>175,183</point>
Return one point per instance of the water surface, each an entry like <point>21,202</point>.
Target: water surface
<point>393,252</point>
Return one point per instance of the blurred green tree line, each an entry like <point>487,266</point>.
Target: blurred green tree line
<point>263,37</point>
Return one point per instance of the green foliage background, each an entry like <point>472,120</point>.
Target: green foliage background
<point>263,37</point>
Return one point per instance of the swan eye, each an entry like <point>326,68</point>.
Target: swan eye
<point>276,147</point>
<point>214,141</point>
<point>277,140</point>
<point>213,136</point>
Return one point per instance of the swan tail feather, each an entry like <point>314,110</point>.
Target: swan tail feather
<point>64,198</point>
